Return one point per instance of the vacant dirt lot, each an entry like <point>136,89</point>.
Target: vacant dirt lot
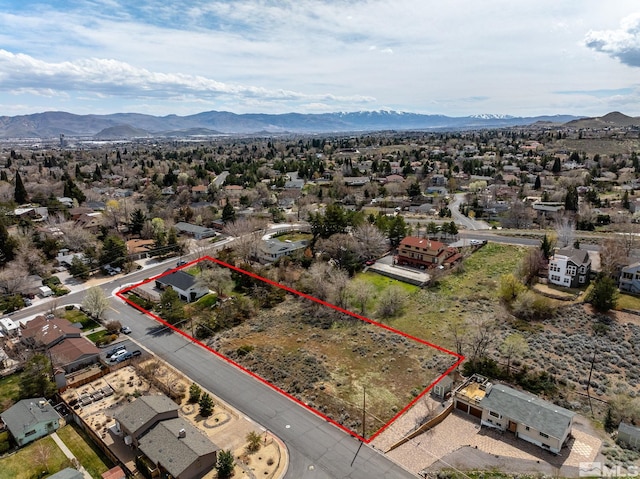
<point>329,361</point>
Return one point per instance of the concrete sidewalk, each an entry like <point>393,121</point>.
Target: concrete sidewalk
<point>63,447</point>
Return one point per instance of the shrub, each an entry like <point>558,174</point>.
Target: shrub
<point>244,350</point>
<point>194,393</point>
<point>529,305</point>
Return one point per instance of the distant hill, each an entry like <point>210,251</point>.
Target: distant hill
<point>613,119</point>
<point>119,125</point>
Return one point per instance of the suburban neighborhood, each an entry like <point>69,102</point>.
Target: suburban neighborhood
<point>461,302</point>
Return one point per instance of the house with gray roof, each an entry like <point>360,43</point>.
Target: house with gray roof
<point>629,281</point>
<point>526,416</point>
<point>570,267</point>
<point>272,249</point>
<point>198,232</point>
<point>139,416</point>
<point>30,419</point>
<point>179,449</point>
<point>182,283</point>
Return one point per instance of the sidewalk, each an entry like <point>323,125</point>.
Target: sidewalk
<point>63,447</point>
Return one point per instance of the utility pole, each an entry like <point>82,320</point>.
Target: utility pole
<point>593,360</point>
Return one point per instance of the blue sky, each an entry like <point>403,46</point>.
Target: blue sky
<point>454,57</point>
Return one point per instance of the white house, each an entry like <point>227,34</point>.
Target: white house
<point>182,283</point>
<point>570,268</point>
<point>272,249</point>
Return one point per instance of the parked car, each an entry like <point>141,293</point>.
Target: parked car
<point>115,350</point>
<point>125,330</point>
<point>116,357</point>
<point>135,353</point>
<point>124,357</point>
<point>181,263</point>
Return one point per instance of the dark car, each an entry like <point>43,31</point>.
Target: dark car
<point>115,350</point>
<point>135,353</point>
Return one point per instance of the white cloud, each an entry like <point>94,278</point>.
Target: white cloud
<point>622,43</point>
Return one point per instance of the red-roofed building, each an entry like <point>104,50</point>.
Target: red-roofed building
<point>44,332</point>
<point>425,253</point>
<point>72,354</point>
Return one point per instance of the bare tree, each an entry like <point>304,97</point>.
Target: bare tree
<point>530,265</point>
<point>77,239</point>
<point>339,279</point>
<point>514,346</point>
<point>316,280</point>
<point>95,302</point>
<point>613,255</point>
<point>13,278</point>
<point>247,233</point>
<point>361,292</point>
<point>391,301</point>
<point>481,336</point>
<point>458,331</point>
<point>216,278</point>
<point>566,231</point>
<point>41,454</point>
<point>371,241</point>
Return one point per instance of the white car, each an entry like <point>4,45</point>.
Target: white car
<point>117,356</point>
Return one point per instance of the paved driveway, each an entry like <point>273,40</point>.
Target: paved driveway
<point>459,443</point>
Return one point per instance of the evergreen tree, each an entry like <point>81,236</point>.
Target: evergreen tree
<point>225,464</point>
<point>571,199</point>
<point>228,213</point>
<point>114,251</point>
<point>537,184</point>
<point>97,173</point>
<point>625,200</point>
<point>206,405</point>
<point>36,381</point>
<point>71,190</point>
<point>172,308</point>
<point>78,268</point>
<point>604,294</point>
<point>194,393</point>
<point>556,166</point>
<point>414,190</point>
<point>20,193</point>
<point>8,244</point>
<point>546,247</point>
<point>3,176</point>
<point>137,219</point>
<point>397,231</point>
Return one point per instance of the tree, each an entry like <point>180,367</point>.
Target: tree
<point>254,440</point>
<point>414,190</point>
<point>78,268</point>
<point>137,219</point>
<point>512,347</point>
<point>361,293</point>
<point>391,302</point>
<point>114,251</point>
<point>36,381</point>
<point>20,192</point>
<point>334,220</point>
<point>225,464</point>
<point>95,302</point>
<point>546,247</point>
<point>216,278</point>
<point>71,190</point>
<point>565,231</point>
<point>604,294</point>
<point>397,231</point>
<point>510,287</point>
<point>612,256</point>
<point>371,241</point>
<point>625,200</point>
<point>556,165</point>
<point>206,405</point>
<point>537,184</point>
<point>571,199</point>
<point>171,306</point>
<point>194,393</point>
<point>113,326</point>
<point>530,265</point>
<point>228,213</point>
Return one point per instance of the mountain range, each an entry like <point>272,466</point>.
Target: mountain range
<point>134,125</point>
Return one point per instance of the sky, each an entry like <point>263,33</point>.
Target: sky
<point>450,57</point>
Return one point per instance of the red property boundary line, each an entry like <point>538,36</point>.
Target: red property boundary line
<point>120,294</point>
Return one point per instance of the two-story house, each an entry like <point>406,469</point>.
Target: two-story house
<point>425,253</point>
<point>570,268</point>
<point>629,281</point>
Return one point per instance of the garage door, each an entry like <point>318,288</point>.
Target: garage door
<point>462,407</point>
<point>475,412</point>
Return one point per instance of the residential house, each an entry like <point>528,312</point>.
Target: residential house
<point>152,425</point>
<point>90,222</point>
<point>9,328</point>
<point>67,473</point>
<point>570,268</point>
<point>629,435</point>
<point>182,283</point>
<point>629,281</point>
<point>356,180</point>
<point>394,179</point>
<point>438,180</point>
<point>527,416</point>
<point>198,232</point>
<point>65,258</point>
<point>61,341</point>
<point>199,191</point>
<point>139,248</point>
<point>30,419</point>
<point>272,249</point>
<point>179,449</point>
<point>137,417</point>
<point>425,253</point>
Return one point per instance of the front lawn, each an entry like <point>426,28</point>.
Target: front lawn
<point>627,301</point>
<point>40,458</point>
<point>85,451</point>
<point>77,316</point>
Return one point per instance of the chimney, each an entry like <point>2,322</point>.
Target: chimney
<point>182,433</point>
